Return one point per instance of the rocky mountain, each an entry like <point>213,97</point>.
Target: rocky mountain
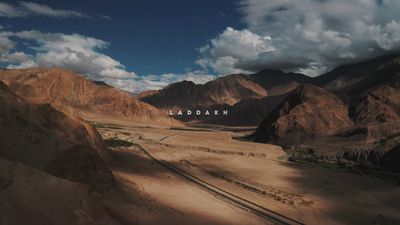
<point>362,126</point>
<point>248,98</point>
<point>247,112</point>
<point>41,137</point>
<point>187,95</point>
<point>73,94</point>
<point>277,82</point>
<point>308,112</point>
<point>380,104</point>
<point>356,78</point>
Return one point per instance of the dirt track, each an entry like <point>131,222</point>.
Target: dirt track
<point>269,215</point>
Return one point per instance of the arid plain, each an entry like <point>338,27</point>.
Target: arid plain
<point>260,173</point>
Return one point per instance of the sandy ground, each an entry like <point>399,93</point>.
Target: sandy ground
<point>166,198</point>
<point>257,172</point>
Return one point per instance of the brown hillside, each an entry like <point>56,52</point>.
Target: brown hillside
<point>186,95</point>
<point>73,94</point>
<point>381,104</point>
<point>38,135</point>
<point>308,112</point>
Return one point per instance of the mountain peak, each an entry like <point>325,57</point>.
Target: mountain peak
<point>356,78</point>
<point>224,90</point>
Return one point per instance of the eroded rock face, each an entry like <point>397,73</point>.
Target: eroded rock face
<point>74,95</point>
<point>39,135</point>
<point>381,104</point>
<point>308,112</point>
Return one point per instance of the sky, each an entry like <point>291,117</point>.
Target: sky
<point>142,45</point>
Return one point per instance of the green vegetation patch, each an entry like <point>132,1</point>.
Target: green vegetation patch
<point>105,125</point>
<point>115,142</point>
<point>306,155</point>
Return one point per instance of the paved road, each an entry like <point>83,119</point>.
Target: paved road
<point>235,200</point>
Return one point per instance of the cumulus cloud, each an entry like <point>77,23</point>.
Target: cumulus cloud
<point>73,51</point>
<point>156,82</point>
<point>310,36</point>
<point>25,9</point>
<point>231,47</point>
<point>83,55</point>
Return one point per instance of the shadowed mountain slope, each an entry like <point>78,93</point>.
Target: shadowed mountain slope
<point>277,82</point>
<point>354,79</point>
<point>39,136</point>
<point>308,112</point>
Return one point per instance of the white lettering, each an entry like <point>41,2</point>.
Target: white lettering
<point>198,112</point>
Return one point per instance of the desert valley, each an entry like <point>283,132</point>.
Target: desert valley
<point>292,149</point>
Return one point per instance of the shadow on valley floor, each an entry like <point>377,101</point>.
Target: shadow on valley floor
<point>133,161</point>
<point>337,196</point>
<point>129,166</point>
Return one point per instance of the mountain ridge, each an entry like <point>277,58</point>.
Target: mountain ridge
<point>73,94</point>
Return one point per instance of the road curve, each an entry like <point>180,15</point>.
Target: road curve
<point>235,200</point>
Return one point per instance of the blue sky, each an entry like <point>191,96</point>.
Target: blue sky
<point>142,45</point>
<point>149,37</point>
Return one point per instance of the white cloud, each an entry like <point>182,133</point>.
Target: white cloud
<point>106,17</point>
<point>232,46</point>
<point>73,51</point>
<point>84,55</point>
<point>309,36</point>
<point>197,76</point>
<point>25,9</point>
<point>22,65</point>
<point>7,55</point>
<point>156,82</point>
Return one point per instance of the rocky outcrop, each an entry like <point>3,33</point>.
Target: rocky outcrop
<point>308,112</point>
<point>381,104</point>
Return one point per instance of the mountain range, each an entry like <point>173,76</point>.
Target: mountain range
<point>350,113</point>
